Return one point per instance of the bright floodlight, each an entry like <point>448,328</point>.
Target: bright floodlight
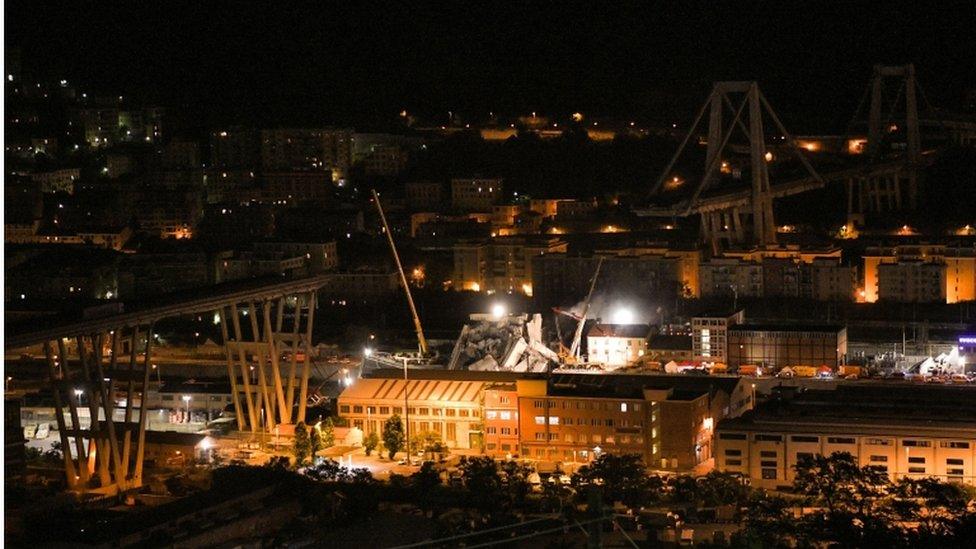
<point>623,316</point>
<point>498,311</point>
<point>367,351</point>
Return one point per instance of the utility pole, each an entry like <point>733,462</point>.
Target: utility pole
<point>406,411</point>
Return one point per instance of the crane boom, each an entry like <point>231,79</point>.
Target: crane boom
<point>578,335</point>
<point>421,340</point>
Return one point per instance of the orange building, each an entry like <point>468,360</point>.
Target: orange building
<point>501,420</point>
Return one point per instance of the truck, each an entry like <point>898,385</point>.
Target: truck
<point>849,371</point>
<point>805,371</point>
<point>750,370</point>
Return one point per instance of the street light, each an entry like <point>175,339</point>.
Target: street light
<point>623,316</point>
<point>498,311</point>
<point>187,399</point>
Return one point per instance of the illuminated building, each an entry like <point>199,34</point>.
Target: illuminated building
<point>920,273</point>
<point>668,420</point>
<point>501,420</point>
<point>547,207</point>
<point>906,431</point>
<point>451,409</point>
<point>501,264</point>
<point>617,344</point>
<point>709,336</point>
<point>775,346</point>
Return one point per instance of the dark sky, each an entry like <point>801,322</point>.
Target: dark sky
<point>259,62</point>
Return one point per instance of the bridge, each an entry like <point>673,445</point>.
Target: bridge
<point>734,212</point>
<point>113,355</point>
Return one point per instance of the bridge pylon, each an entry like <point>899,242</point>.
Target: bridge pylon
<point>891,110</point>
<point>735,223</point>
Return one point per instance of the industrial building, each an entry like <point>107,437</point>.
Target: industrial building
<point>905,430</point>
<point>775,346</point>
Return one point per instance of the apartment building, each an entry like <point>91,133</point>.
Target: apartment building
<point>709,336</point>
<point>476,194</point>
<point>501,264</point>
<point>919,273</point>
<point>501,419</point>
<point>904,430</point>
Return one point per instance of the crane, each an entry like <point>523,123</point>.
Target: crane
<point>571,355</point>
<point>421,340</point>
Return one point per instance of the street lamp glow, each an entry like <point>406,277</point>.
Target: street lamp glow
<point>367,352</point>
<point>498,311</point>
<point>623,316</point>
<point>78,393</point>
<point>187,398</point>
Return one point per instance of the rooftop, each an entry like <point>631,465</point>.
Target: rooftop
<point>620,330</point>
<point>831,328</point>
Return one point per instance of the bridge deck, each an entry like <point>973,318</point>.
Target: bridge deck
<point>195,301</point>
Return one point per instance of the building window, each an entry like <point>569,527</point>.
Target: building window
<point>491,430</point>
<point>357,409</point>
<point>769,438</point>
<point>954,461</point>
<point>425,411</point>
<point>553,436</point>
<point>397,410</point>
<point>463,413</point>
<point>385,410</point>
<point>450,412</point>
<point>506,416</point>
<point>881,468</point>
<point>540,420</point>
<point>344,409</point>
<point>451,432</point>
<point>840,440</point>
<point>506,430</point>
<point>597,439</point>
<point>540,436</point>
<point>490,414</point>
<point>804,456</point>
<point>917,443</point>
<point>733,462</point>
<point>878,442</point>
<point>882,459</point>
<point>769,474</point>
<point>954,444</point>
<point>553,420</point>
<point>623,406</point>
<point>506,447</point>
<point>767,453</point>
<point>608,422</point>
<point>768,463</point>
<point>916,469</point>
<point>804,438</point>
<point>371,409</point>
<point>731,436</point>
<point>733,452</point>
<point>490,446</point>
<point>916,460</point>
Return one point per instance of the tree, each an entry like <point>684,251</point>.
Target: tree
<point>393,437</point>
<point>328,433</point>
<point>857,512</point>
<point>623,478</point>
<point>480,477</point>
<point>302,445</point>
<point>371,442</point>
<point>768,524</point>
<point>314,442</point>
<point>516,481</point>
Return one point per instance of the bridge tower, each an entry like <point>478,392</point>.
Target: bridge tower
<point>109,451</point>
<point>726,223</point>
<point>890,110</point>
<point>267,398</point>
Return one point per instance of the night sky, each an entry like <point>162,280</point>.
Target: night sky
<point>263,65</point>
